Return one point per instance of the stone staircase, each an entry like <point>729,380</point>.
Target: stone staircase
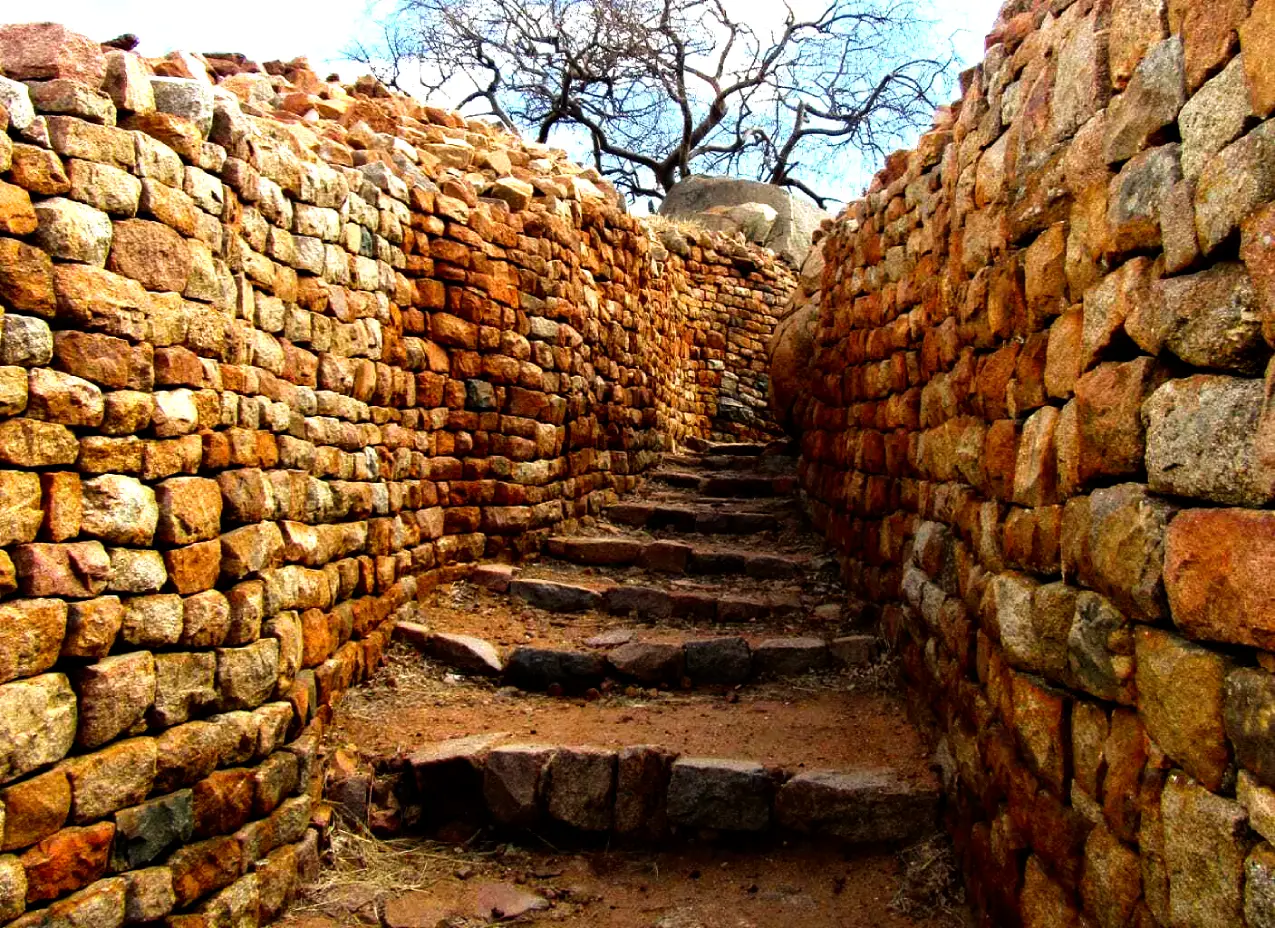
<point>686,668</point>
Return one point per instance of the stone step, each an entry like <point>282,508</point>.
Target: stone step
<point>728,485</point>
<point>646,794</point>
<point>671,662</point>
<point>732,449</point>
<point>651,603</point>
<point>715,462</point>
<point>675,557</point>
<point>703,520</point>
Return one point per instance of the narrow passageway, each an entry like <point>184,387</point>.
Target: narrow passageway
<point>675,717</point>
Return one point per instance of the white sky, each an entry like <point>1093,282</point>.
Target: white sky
<point>321,29</point>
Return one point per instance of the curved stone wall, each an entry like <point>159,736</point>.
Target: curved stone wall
<point>1038,423</point>
<point>276,356</point>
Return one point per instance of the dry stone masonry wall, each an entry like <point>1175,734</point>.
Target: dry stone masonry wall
<point>1039,424</point>
<point>275,356</point>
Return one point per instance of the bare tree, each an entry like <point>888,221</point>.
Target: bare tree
<point>662,89</point>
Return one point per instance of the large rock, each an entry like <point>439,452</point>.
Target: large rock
<point>789,235</point>
<point>861,806</point>
<point>1205,845</point>
<point>45,51</point>
<point>538,668</point>
<point>512,780</point>
<point>727,795</point>
<point>1203,440</point>
<point>649,662</point>
<point>790,350</point>
<point>580,787</point>
<point>37,723</point>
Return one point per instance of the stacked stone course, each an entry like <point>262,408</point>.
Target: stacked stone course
<point>1039,424</point>
<point>276,355</point>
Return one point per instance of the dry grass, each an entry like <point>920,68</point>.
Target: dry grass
<point>931,884</point>
<point>363,870</point>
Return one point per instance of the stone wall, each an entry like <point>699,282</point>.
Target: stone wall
<point>1037,425</point>
<point>276,355</point>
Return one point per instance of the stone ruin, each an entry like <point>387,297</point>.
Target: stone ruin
<point>278,356</point>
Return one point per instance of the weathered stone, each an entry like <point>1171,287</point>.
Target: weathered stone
<point>1214,118</point>
<point>1135,197</point>
<point>597,551</point>
<point>127,82</point>
<point>645,602</point>
<point>777,657</point>
<point>120,510</point>
<point>69,860</point>
<point>579,787</point>
<point>1202,441</point>
<point>26,279</point>
<point>1035,473</point>
<point>1258,801</point>
<point>187,754</point>
<point>77,570</point>
<point>184,686</point>
<point>27,341</point>
<point>149,895</point>
<point>114,695</point>
<point>194,568</point>
<point>91,627</point>
<point>35,808</point>
<point>512,779</point>
<point>1136,25</point>
<point>31,634</point>
<point>189,510</point>
<point>556,597</point>
<point>1215,565</point>
<point>110,779</point>
<point>1151,101</point>
<point>73,231</point>
<point>13,887</point>
<point>203,868</point>
<point>1180,687</point>
<point>1039,714</point>
<point>251,549</point>
<point>185,97</point>
<point>152,621</point>
<point>1250,695</point>
<point>136,571</point>
<point>649,662</point>
<point>1233,183</point>
<point>37,723</point>
<point>45,51</point>
<point>1100,649</point>
<point>1211,319</point>
<point>726,795</point>
<point>1205,845</point>
<point>642,777</point>
<point>1111,882</point>
<point>1126,543</point>
<point>150,253</point>
<point>465,652</point>
<point>866,806</point>
<point>719,660</point>
<point>517,193</point>
<point>223,802</point>
<point>538,668</point>
<point>246,676</point>
<point>17,216</point>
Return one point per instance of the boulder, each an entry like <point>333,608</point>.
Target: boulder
<point>746,206</point>
<point>790,349</point>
